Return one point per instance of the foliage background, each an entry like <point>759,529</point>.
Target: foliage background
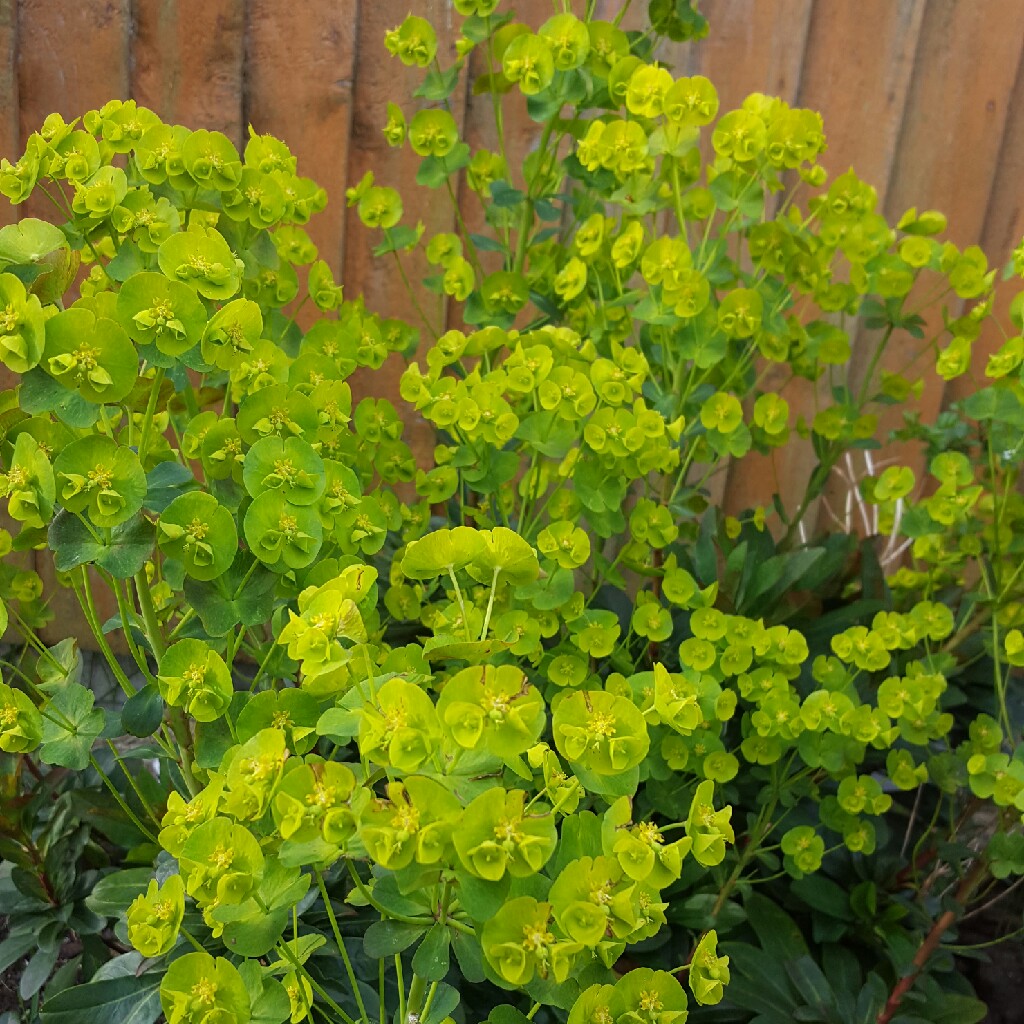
<point>924,97</point>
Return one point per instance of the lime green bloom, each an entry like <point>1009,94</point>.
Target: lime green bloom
<point>519,943</point>
<point>569,40</point>
<point>154,918</point>
<point>300,996</point>
<point>197,989</point>
<point>222,863</point>
<point>211,159</point>
<point>22,326</point>
<point>414,42</point>
<point>645,94</point>
<point>644,996</point>
<point>327,615</point>
<point>691,102</point>
<point>709,972</point>
<point>203,260</point>
<point>601,731</point>
<point>98,195</point>
<point>709,829</point>
<point>252,772</point>
<point>492,706</point>
<point>99,476</point>
<point>232,333</point>
<point>91,355</point>
<point>29,484</point>
<point>200,532</point>
<point>154,310</point>
<point>400,728</point>
<point>21,726</point>
<point>194,677</point>
<point>640,848</point>
<point>567,544</point>
<point>380,208</point>
<point>500,834</point>
<point>258,199</point>
<point>863,793</point>
<point>148,221</point>
<point>433,132</point>
<point>414,823</point>
<point>312,802</point>
<point>182,818</point>
<point>803,849</point>
<point>281,535</point>
<point>529,60</point>
<point>290,466</point>
<point>592,900</point>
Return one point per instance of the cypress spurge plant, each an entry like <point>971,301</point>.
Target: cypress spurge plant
<point>515,733</point>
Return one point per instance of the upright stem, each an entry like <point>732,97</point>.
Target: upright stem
<point>931,941</point>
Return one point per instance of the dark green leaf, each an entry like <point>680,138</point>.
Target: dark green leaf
<point>127,1000</point>
<point>385,938</point>
<point>430,961</point>
<point>143,711</point>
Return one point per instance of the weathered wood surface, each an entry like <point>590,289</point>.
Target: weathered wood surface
<point>924,97</point>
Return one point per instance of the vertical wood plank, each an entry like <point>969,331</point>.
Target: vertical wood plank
<point>298,75</point>
<point>378,78</point>
<point>10,143</point>
<point>946,156</point>
<point>745,52</point>
<point>187,62</point>
<point>861,97</point>
<point>1002,233</point>
<point>71,58</point>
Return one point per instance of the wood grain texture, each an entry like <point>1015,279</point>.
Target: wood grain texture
<point>751,48</point>
<point>1002,233</point>
<point>187,60</point>
<point>299,75</point>
<point>10,142</point>
<point>946,158</point>
<point>71,57</point>
<point>380,77</point>
<point>863,99</point>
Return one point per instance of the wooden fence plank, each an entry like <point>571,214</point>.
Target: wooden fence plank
<point>378,78</point>
<point>299,68</point>
<point>862,98</point>
<point>947,153</point>
<point>71,58</point>
<point>751,47</point>
<point>1002,233</point>
<point>10,143</point>
<point>187,62</point>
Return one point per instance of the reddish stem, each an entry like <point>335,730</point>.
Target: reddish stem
<point>931,941</point>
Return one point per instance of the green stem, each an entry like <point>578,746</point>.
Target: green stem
<point>341,947</point>
<point>149,616</point>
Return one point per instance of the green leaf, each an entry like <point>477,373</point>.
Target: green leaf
<point>166,481</point>
<point>385,938</point>
<point>127,1000</point>
<point>39,393</point>
<point>505,196</point>
<point>143,711</point>
<point>112,894</point>
<point>37,970</point>
<point>430,961</point>
<point>439,85</point>
<point>70,727</point>
<point>122,552</point>
<point>446,999</point>
<point>776,930</point>
<point>479,898</point>
<point>806,975</point>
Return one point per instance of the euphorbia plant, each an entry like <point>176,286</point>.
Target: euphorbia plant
<point>510,729</point>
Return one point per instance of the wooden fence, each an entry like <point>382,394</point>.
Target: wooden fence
<point>924,97</point>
